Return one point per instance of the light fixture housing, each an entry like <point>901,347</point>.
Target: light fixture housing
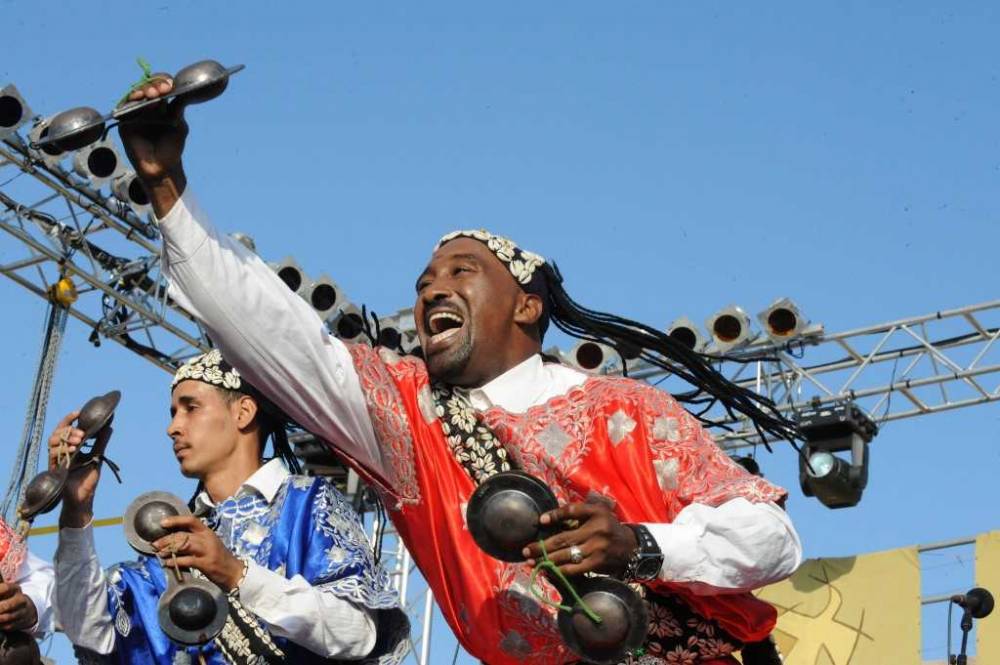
<point>782,320</point>
<point>99,163</point>
<point>347,324</point>
<point>592,357</point>
<point>685,331</point>
<point>323,295</point>
<point>129,190</point>
<point>14,110</point>
<point>836,428</point>
<point>48,154</point>
<point>730,328</point>
<point>292,274</point>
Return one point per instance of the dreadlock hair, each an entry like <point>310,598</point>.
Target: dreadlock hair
<point>632,339</point>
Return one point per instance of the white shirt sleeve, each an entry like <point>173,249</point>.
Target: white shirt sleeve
<point>37,579</point>
<point>732,548</point>
<point>307,615</point>
<point>268,332</point>
<point>81,599</point>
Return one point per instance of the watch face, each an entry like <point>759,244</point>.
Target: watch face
<point>649,567</point>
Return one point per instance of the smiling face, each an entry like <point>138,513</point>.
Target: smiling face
<point>205,427</point>
<point>473,320</point>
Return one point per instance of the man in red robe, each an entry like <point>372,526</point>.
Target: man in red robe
<point>650,497</point>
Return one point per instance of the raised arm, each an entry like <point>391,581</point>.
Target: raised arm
<point>271,335</point>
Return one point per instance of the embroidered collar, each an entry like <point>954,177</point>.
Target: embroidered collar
<point>265,481</point>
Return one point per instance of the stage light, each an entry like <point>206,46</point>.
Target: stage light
<point>836,428</point>
<point>47,154</point>
<point>685,331</point>
<point>730,328</point>
<point>782,320</point>
<point>347,324</point>
<point>591,356</point>
<point>98,162</point>
<point>323,295</point>
<point>291,274</point>
<point>129,190</point>
<point>14,111</point>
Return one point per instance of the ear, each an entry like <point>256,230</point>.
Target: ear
<point>527,309</point>
<point>246,411</point>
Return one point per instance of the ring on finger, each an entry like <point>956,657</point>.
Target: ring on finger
<point>575,554</point>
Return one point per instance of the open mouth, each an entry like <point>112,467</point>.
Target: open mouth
<point>442,326</point>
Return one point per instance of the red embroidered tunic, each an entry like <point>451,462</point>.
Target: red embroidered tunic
<point>611,438</point>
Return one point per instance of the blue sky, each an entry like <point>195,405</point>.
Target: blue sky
<point>673,159</point>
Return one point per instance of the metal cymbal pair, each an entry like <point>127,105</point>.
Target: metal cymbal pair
<point>192,610</point>
<point>79,127</point>
<point>504,514</point>
<point>44,491</point>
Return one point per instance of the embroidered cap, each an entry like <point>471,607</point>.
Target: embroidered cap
<point>212,368</point>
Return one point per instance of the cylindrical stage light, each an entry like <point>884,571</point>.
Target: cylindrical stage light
<point>47,154</point>
<point>684,331</point>
<point>782,320</point>
<point>730,328</point>
<point>14,111</point>
<point>129,190</point>
<point>98,162</point>
<point>347,324</point>
<point>323,295</point>
<point>591,356</point>
<point>291,274</point>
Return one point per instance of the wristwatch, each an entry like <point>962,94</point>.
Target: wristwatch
<point>647,559</point>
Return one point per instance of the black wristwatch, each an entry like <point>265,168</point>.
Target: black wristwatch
<point>647,559</point>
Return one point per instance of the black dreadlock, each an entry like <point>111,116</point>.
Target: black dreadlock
<point>632,339</point>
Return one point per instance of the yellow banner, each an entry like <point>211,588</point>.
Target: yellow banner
<point>850,611</point>
<point>988,577</point>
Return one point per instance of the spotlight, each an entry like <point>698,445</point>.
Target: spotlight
<point>686,332</point>
<point>323,295</point>
<point>390,333</point>
<point>14,111</point>
<point>129,190</point>
<point>591,356</point>
<point>291,274</point>
<point>47,154</point>
<point>730,328</point>
<point>842,427</point>
<point>782,320</point>
<point>347,324</point>
<point>98,162</point>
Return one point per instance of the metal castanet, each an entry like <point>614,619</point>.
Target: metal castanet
<point>19,648</point>
<point>192,610</point>
<point>195,84</point>
<point>44,491</point>
<point>79,127</point>
<point>503,514</point>
<point>623,626</point>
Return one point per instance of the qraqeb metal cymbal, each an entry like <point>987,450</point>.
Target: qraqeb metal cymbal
<point>18,648</point>
<point>192,612</point>
<point>624,621</point>
<point>142,519</point>
<point>97,413</point>
<point>74,129</point>
<point>43,493</point>
<point>503,514</point>
<point>195,84</point>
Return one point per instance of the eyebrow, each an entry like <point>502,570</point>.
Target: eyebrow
<point>185,400</point>
<point>451,257</point>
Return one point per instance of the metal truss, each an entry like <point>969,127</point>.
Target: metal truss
<point>63,227</point>
<point>901,369</point>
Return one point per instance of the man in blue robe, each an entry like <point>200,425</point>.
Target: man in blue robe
<point>288,550</point>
